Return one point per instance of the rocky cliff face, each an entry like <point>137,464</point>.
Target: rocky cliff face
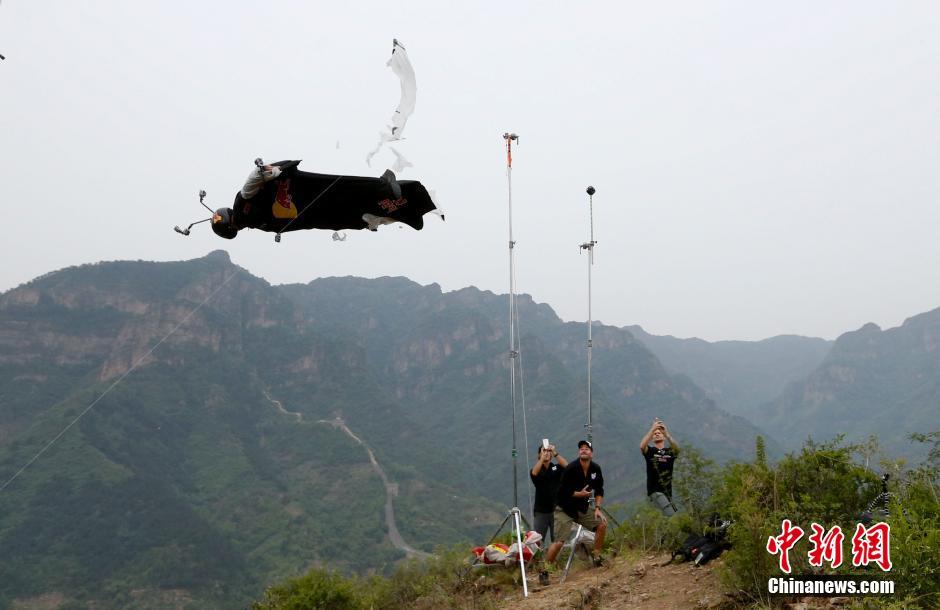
<point>445,357</point>
<point>110,316</point>
<point>874,381</point>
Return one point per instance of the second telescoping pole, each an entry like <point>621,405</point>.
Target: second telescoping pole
<point>589,246</point>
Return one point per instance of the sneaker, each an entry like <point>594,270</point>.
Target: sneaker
<point>543,578</point>
<point>598,561</point>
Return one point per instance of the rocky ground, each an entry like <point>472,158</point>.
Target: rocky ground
<point>629,582</point>
<point>641,582</point>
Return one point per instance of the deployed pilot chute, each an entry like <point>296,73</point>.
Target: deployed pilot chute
<point>401,66</point>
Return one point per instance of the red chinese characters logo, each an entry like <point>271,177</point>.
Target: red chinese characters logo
<point>390,205</point>
<point>869,545</point>
<point>784,542</point>
<point>872,545</point>
<point>827,546</point>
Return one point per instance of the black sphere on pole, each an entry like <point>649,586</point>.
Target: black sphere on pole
<point>590,190</point>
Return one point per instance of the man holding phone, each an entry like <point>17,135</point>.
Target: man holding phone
<point>659,462</point>
<point>546,476</point>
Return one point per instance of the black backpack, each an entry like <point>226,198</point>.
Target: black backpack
<point>702,548</point>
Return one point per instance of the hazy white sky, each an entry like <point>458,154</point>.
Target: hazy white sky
<point>761,167</point>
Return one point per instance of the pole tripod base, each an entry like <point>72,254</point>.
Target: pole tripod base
<point>518,520</point>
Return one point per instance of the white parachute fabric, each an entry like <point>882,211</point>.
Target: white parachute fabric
<point>400,161</point>
<point>498,552</point>
<point>530,546</point>
<point>401,66</point>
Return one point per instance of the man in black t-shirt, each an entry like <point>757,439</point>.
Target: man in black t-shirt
<point>546,476</point>
<point>580,481</point>
<point>659,462</point>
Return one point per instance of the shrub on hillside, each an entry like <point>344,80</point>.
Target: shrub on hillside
<point>822,484</point>
<point>315,590</point>
<point>429,583</point>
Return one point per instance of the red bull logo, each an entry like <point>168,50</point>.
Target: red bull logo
<point>283,206</point>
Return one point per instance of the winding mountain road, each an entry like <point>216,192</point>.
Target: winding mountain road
<point>391,489</point>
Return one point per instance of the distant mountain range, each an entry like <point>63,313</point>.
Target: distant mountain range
<point>740,376</point>
<point>199,456</point>
<point>873,382</point>
<point>867,382</point>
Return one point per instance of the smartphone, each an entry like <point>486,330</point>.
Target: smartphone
<point>544,443</point>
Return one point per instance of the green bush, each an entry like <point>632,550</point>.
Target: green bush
<point>915,530</point>
<point>430,583</point>
<point>821,483</point>
<point>694,486</point>
<point>646,529</point>
<point>315,590</point>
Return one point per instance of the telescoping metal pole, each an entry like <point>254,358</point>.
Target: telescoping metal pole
<point>513,349</point>
<point>589,246</point>
<point>513,355</point>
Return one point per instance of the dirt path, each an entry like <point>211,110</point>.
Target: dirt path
<point>391,489</point>
<point>277,403</point>
<point>639,583</point>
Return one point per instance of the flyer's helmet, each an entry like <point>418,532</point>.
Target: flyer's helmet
<point>223,223</point>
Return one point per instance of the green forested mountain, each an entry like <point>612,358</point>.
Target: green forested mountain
<point>216,466</point>
<point>444,355</point>
<point>740,376</point>
<point>183,480</point>
<point>873,381</point>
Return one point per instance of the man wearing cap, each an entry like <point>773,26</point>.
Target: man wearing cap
<point>579,482</point>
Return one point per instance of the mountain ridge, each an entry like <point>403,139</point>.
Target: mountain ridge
<point>872,380</point>
<point>193,437</point>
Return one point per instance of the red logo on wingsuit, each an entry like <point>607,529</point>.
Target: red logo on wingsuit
<point>283,206</point>
<point>390,205</point>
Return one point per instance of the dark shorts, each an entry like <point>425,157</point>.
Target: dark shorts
<point>543,524</point>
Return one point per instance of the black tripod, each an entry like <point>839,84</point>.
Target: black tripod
<point>873,512</point>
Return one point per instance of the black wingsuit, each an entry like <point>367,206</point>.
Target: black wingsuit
<point>303,200</point>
